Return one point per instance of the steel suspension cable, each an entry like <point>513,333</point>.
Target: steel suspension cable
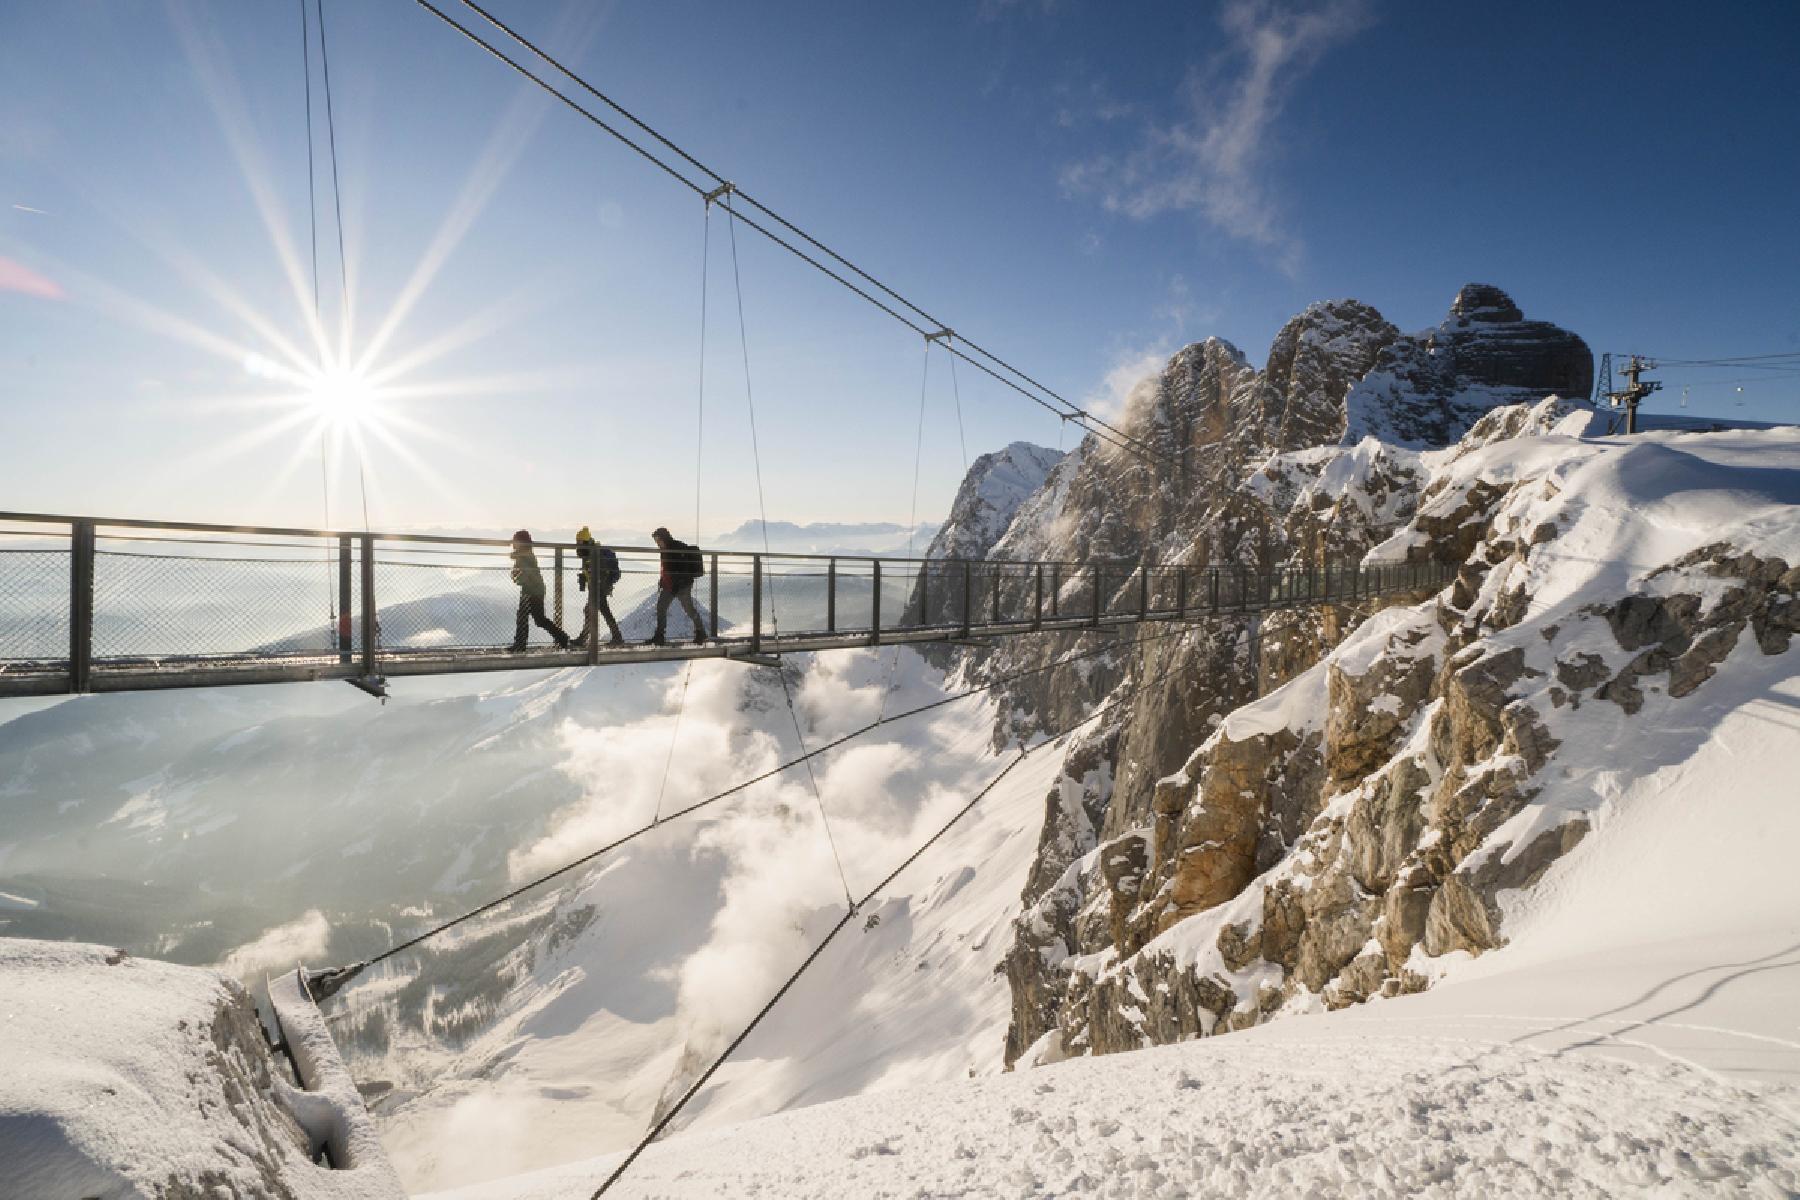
<point>912,523</point>
<point>312,221</point>
<point>687,672</point>
<point>1089,422</point>
<point>788,984</point>
<point>762,506</point>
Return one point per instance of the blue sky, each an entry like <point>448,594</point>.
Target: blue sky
<point>1082,187</point>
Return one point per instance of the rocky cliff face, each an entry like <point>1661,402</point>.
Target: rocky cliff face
<point>985,505</point>
<point>1427,388</point>
<point>1275,467</point>
<point>1332,840</point>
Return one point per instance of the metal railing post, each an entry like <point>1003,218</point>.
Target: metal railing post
<point>559,587</point>
<point>1212,586</point>
<point>1143,591</point>
<point>712,603</point>
<point>368,604</point>
<point>1056,589</point>
<point>591,603</point>
<point>756,576</point>
<point>1037,608</point>
<point>1181,591</point>
<point>1096,595</point>
<point>81,605</point>
<point>875,607</point>
<point>346,640</point>
<point>994,606</point>
<point>968,596</point>
<point>831,596</point>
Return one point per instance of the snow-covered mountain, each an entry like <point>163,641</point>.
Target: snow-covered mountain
<point>1488,885</point>
<point>870,538</point>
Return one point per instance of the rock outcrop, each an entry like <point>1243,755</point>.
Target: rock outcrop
<point>1333,839</point>
<point>1428,387</point>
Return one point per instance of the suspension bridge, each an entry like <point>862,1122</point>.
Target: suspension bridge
<point>103,605</point>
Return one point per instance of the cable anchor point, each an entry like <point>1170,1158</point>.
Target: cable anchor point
<point>945,335</point>
<point>723,190</point>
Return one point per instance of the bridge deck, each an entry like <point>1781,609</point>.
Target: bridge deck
<point>95,605</point>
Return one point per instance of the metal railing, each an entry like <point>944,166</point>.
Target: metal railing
<point>94,604</point>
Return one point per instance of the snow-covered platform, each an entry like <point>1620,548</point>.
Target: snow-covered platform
<point>121,1076</point>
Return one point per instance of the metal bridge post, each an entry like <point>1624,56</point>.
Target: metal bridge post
<point>968,605</point>
<point>346,642</point>
<point>756,576</point>
<point>994,607</point>
<point>1143,591</point>
<point>368,604</point>
<point>1096,595</point>
<point>1037,608</point>
<point>831,596</point>
<point>1056,589</point>
<point>875,607</point>
<point>712,604</point>
<point>558,587</point>
<point>591,602</point>
<point>1326,567</point>
<point>81,605</point>
<point>1181,591</point>
<point>1212,586</point>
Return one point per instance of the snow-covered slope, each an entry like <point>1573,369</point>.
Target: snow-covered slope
<point>1639,1035</point>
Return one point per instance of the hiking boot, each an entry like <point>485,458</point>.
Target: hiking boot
<point>699,638</point>
<point>617,639</point>
<point>517,648</point>
<point>579,643</point>
<point>657,639</point>
<point>562,643</point>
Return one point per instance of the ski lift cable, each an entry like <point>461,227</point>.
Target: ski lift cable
<point>1094,425</point>
<point>335,978</point>
<point>818,950</point>
<point>762,508</point>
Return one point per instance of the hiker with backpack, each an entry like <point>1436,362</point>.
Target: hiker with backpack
<point>530,579</point>
<point>600,571</point>
<point>681,565</point>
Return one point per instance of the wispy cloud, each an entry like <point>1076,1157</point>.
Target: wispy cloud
<point>1213,160</point>
<point>17,277</point>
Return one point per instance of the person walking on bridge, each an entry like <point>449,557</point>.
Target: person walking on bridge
<point>681,565</point>
<point>530,579</point>
<point>600,571</point>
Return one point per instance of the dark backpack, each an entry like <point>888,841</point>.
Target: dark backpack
<point>686,562</point>
<point>606,566</point>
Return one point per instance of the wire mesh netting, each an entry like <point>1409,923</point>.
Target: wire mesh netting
<point>34,604</point>
<point>211,601</point>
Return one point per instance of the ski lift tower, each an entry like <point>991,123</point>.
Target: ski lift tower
<point>1635,390</point>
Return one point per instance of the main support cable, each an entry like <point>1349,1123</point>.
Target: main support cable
<point>762,508</point>
<point>694,1089</point>
<point>699,461</point>
<point>312,220</point>
<point>1029,388</point>
<point>342,975</point>
<point>912,523</point>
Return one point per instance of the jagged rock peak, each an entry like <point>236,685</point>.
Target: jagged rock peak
<point>996,484</point>
<point>1484,302</point>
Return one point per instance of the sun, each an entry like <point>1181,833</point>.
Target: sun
<point>341,397</point>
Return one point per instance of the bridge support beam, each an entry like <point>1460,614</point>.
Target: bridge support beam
<point>875,607</point>
<point>81,605</point>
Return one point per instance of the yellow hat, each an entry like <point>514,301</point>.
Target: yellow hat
<point>582,535</point>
